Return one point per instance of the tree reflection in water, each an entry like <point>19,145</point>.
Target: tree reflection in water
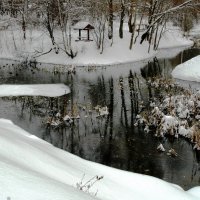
<point>110,139</point>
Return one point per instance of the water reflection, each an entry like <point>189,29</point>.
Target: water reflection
<point>108,139</point>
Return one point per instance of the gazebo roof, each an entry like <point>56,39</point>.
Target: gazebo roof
<point>83,26</point>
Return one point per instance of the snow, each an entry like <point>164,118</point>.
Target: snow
<point>173,37</point>
<point>81,25</point>
<point>183,131</point>
<point>33,169</point>
<point>195,192</point>
<point>174,114</point>
<point>14,47</point>
<point>49,90</point>
<point>195,31</point>
<point>161,148</point>
<point>189,70</point>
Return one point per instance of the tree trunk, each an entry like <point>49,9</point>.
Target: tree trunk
<point>133,26</point>
<point>49,26</point>
<point>122,19</point>
<point>24,26</point>
<point>130,18</point>
<point>110,20</point>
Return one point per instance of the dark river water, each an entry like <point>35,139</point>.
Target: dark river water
<point>112,140</point>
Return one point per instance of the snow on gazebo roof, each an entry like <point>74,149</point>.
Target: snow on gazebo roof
<point>83,26</point>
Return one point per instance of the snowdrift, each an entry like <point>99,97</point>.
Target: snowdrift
<point>48,90</point>
<point>33,169</point>
<point>189,71</point>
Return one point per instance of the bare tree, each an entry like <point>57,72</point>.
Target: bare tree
<point>99,16</point>
<point>133,22</point>
<point>65,22</point>
<point>110,20</point>
<point>159,11</point>
<point>122,16</point>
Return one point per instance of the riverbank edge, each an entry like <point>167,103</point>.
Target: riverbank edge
<point>39,64</point>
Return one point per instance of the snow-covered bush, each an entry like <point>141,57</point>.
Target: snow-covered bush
<point>174,114</point>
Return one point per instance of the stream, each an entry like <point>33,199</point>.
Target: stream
<point>112,139</point>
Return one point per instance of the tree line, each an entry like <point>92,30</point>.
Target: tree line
<point>146,18</point>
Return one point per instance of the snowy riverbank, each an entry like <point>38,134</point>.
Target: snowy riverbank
<point>24,160</point>
<point>189,71</point>
<point>14,47</point>
<point>49,90</point>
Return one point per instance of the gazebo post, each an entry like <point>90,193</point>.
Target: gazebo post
<point>88,34</point>
<point>79,34</point>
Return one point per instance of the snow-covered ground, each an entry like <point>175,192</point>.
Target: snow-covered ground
<point>189,70</point>
<point>13,46</point>
<point>195,31</point>
<point>173,37</point>
<point>49,90</point>
<point>33,169</point>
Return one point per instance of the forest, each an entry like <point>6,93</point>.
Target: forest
<point>146,19</point>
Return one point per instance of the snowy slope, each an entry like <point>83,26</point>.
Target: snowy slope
<point>189,70</point>
<point>173,37</point>
<point>49,90</point>
<point>13,46</point>
<point>32,169</point>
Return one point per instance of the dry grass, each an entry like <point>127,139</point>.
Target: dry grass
<point>196,135</point>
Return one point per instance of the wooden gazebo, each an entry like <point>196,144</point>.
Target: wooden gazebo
<point>83,26</point>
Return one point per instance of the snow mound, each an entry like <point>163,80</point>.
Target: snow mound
<point>31,168</point>
<point>189,71</point>
<point>195,191</point>
<point>48,90</point>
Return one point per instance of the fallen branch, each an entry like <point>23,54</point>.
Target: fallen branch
<point>43,53</point>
